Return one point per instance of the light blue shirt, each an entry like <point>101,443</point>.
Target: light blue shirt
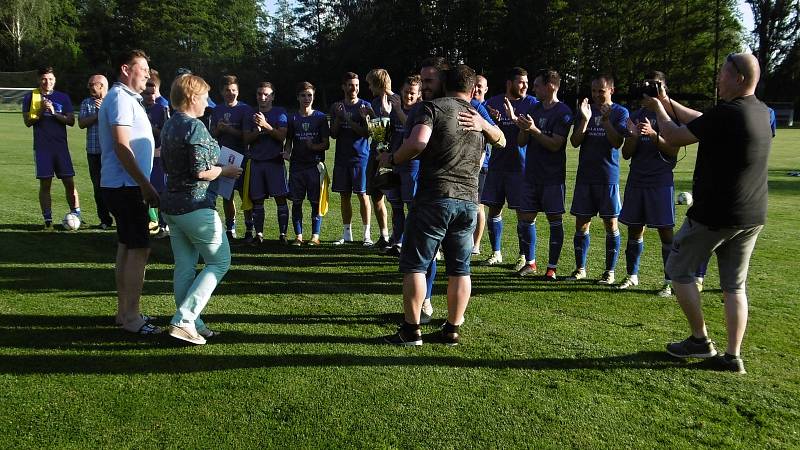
<point>123,107</point>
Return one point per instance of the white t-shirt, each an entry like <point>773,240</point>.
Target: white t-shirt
<point>123,107</point>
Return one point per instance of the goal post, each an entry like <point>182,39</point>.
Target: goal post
<point>13,87</point>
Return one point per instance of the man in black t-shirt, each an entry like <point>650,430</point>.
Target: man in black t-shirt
<point>447,136</point>
<point>730,201</point>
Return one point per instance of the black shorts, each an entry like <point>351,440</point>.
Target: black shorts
<point>372,170</point>
<point>130,213</point>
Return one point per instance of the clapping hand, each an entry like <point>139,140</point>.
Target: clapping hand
<point>605,112</point>
<point>585,110</point>
<point>338,110</point>
<point>47,106</point>
<point>493,113</point>
<point>509,109</point>
<point>261,121</point>
<point>98,102</point>
<point>633,130</point>
<point>526,123</point>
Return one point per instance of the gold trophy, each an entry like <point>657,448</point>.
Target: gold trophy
<point>385,177</point>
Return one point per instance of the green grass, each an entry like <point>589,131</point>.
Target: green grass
<point>299,362</point>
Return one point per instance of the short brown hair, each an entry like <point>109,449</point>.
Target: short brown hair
<point>349,76</point>
<point>128,56</point>
<point>515,72</point>
<point>549,76</point>
<point>303,86</point>
<point>155,78</point>
<point>228,80</point>
<point>184,88</point>
<point>45,70</point>
<point>607,78</point>
<point>411,80</point>
<point>265,84</point>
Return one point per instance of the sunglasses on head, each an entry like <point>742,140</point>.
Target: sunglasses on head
<point>732,60</point>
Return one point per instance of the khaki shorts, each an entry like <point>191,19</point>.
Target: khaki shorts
<point>694,243</point>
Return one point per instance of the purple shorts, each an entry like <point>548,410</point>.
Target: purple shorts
<point>267,179</point>
<point>590,200</point>
<point>501,187</point>
<point>49,163</point>
<point>546,198</point>
<point>350,177</point>
<point>651,206</point>
<point>304,183</point>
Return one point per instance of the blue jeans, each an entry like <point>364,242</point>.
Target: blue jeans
<point>446,221</point>
<point>194,234</point>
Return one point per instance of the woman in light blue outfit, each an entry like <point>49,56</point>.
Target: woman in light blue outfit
<point>189,155</point>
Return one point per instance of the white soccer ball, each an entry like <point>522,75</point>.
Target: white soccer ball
<point>71,222</point>
<point>685,198</point>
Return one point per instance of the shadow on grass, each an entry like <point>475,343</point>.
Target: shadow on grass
<point>188,361</point>
<point>42,321</point>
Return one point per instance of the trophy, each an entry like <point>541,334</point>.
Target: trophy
<point>384,178</point>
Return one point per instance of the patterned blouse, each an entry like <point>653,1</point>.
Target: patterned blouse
<point>187,148</point>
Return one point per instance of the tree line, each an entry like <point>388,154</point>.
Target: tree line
<point>318,40</point>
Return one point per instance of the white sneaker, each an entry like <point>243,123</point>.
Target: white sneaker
<point>606,278</point>
<point>665,291</point>
<point>496,258</point>
<point>427,311</point>
<point>342,242</point>
<point>187,334</point>
<point>520,263</point>
<point>439,255</point>
<point>698,281</point>
<point>368,242</point>
<point>577,274</point>
<point>629,281</point>
<point>476,250</point>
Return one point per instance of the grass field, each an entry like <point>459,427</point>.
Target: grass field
<point>299,362</point>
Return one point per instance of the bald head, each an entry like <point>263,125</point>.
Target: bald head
<point>98,86</point>
<point>747,65</point>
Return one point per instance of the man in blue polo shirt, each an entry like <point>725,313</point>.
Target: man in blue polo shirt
<point>49,116</point>
<point>349,128</point>
<point>90,107</point>
<point>599,132</point>
<point>127,145</point>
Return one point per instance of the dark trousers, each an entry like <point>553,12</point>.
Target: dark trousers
<point>94,173</point>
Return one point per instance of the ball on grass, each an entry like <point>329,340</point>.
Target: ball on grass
<point>71,222</point>
<point>685,198</point>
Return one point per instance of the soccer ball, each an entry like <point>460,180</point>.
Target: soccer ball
<point>71,222</point>
<point>685,198</point>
